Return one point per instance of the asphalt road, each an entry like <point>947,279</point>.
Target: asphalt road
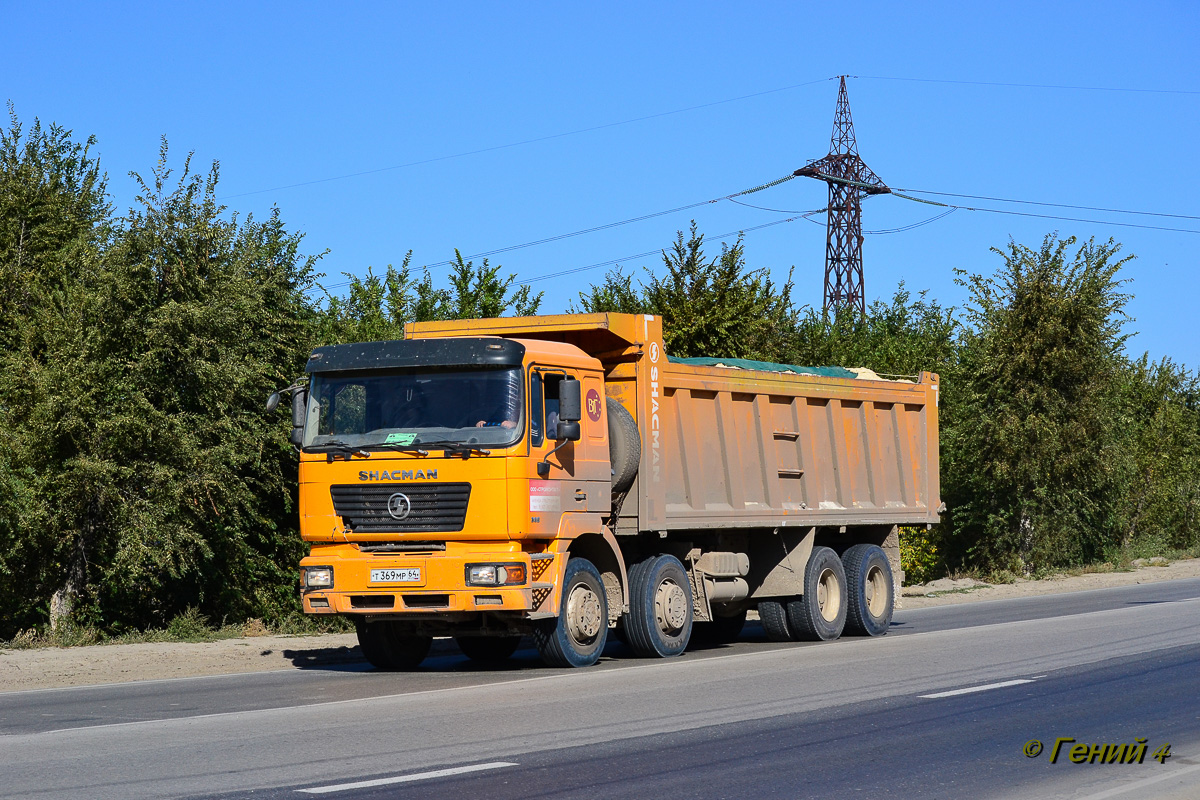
<point>753,719</point>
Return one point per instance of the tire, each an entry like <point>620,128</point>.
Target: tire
<point>386,647</point>
<point>721,630</point>
<point>488,649</point>
<point>870,589</point>
<point>576,637</point>
<point>659,623</point>
<point>624,445</point>
<point>774,618</point>
<point>819,615</point>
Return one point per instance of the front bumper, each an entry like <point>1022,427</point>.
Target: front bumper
<point>441,589</point>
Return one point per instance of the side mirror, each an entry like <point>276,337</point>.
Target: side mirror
<point>273,402</point>
<point>568,431</point>
<point>570,402</point>
<point>299,411</point>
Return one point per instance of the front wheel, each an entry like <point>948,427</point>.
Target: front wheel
<point>820,614</point>
<point>386,646</point>
<point>576,638</point>
<point>660,607</point>
<point>870,589</point>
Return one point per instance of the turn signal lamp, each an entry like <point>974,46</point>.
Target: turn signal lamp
<point>495,574</point>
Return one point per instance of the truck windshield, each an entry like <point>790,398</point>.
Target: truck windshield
<point>482,406</point>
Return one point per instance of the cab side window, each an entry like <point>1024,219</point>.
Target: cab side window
<point>551,383</point>
<point>536,426</point>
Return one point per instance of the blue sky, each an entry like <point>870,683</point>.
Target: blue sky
<point>292,93</point>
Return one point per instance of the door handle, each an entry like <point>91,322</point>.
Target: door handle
<point>580,496</point>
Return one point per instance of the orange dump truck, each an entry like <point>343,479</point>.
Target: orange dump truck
<point>560,476</point>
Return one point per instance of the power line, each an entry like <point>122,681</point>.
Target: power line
<point>1027,85</point>
<point>1053,205</point>
<point>898,193</point>
<point>1046,216</point>
<point>951,208</point>
<point>529,141</point>
<point>559,237</point>
<point>914,225</point>
<point>615,261</point>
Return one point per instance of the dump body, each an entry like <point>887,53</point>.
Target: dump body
<point>744,448</point>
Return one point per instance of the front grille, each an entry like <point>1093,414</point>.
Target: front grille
<point>432,506</point>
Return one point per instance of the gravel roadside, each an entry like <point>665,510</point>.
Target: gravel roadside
<point>53,667</point>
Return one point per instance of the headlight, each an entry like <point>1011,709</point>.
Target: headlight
<point>495,574</point>
<point>316,577</point>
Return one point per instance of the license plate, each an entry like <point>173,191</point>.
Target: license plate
<point>402,575</point>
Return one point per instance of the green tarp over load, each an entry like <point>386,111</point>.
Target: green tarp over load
<point>765,366</point>
<point>861,373</point>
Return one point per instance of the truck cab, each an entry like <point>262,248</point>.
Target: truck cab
<point>441,483</point>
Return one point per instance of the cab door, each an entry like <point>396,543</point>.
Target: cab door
<point>579,475</point>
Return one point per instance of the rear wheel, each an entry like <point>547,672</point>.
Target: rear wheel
<point>660,607</point>
<point>386,646</point>
<point>576,638</point>
<point>488,649</point>
<point>774,618</point>
<point>870,590</point>
<point>820,614</point>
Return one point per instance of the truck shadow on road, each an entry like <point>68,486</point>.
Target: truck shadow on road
<point>334,659</point>
<point>445,656</point>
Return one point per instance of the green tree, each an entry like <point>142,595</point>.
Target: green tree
<point>151,476</point>
<point>710,307</point>
<point>615,295</point>
<point>1030,439</point>
<point>903,337</point>
<point>377,307</point>
<point>1159,425</point>
<point>54,218</point>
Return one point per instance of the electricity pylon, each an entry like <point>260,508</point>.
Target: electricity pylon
<point>850,180</point>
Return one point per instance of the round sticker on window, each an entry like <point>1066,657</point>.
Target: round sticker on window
<point>593,405</point>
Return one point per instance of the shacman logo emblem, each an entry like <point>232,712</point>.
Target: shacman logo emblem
<point>399,505</point>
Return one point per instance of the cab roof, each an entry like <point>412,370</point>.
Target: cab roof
<point>396,354</point>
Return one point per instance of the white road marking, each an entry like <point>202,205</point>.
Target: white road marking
<point>974,689</point>
<point>1129,787</point>
<point>416,776</point>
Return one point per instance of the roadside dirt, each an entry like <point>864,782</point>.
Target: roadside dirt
<point>48,668</point>
<point>946,591</point>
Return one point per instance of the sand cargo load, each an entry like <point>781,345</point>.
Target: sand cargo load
<point>626,489</point>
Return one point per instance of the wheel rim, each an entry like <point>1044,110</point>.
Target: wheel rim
<point>829,595</point>
<point>670,607</point>
<point>876,591</point>
<point>583,614</point>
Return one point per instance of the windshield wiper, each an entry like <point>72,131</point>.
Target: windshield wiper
<point>458,448</point>
<point>335,447</point>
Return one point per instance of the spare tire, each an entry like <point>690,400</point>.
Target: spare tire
<point>624,445</point>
